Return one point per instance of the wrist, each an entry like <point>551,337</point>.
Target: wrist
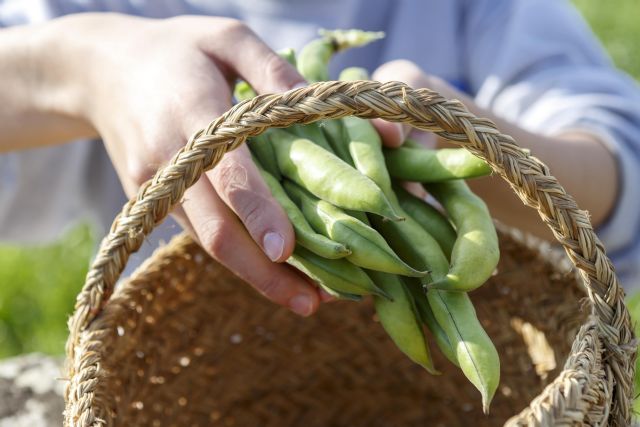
<point>65,54</point>
<point>74,61</point>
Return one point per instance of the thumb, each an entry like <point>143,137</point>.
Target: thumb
<point>250,58</point>
<point>394,134</point>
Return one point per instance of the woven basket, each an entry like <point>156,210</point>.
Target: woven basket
<point>184,342</point>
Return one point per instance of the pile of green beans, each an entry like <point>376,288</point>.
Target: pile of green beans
<point>359,232</point>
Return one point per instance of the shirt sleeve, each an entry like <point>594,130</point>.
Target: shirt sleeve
<point>536,63</point>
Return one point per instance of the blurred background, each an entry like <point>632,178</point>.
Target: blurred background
<point>38,284</point>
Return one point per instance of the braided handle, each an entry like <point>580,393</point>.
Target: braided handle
<point>393,101</point>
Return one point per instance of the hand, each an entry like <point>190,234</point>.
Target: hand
<point>150,85</point>
<point>582,162</point>
<point>394,134</point>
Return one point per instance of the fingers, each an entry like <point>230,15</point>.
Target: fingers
<point>426,139</point>
<point>222,235</point>
<point>393,134</point>
<point>250,58</point>
<point>237,180</point>
<point>239,184</point>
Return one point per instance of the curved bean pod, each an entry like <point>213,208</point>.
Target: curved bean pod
<point>475,253</point>
<point>337,275</point>
<point>400,319</point>
<point>368,248</point>
<point>305,236</point>
<point>424,165</point>
<point>336,133</point>
<point>313,59</point>
<point>429,218</point>
<point>427,317</point>
<point>328,177</point>
<point>262,150</point>
<point>313,133</point>
<point>453,311</point>
<point>365,144</point>
<point>475,352</point>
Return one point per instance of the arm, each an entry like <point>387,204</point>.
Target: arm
<point>580,160</point>
<point>38,104</point>
<point>535,70</point>
<point>145,86</point>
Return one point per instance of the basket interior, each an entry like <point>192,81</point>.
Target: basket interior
<point>187,343</point>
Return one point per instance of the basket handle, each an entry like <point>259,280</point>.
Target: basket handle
<point>423,109</point>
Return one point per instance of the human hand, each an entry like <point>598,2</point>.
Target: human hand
<point>394,134</point>
<point>572,155</point>
<point>152,84</point>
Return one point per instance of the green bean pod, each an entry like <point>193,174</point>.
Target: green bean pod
<point>365,144</point>
<point>243,91</point>
<point>305,235</point>
<point>313,59</point>
<point>328,177</point>
<point>475,253</point>
<point>475,352</point>
<point>337,275</point>
<point>400,319</point>
<point>336,133</point>
<point>427,317</point>
<point>368,248</point>
<point>429,218</point>
<point>453,311</point>
<point>313,133</point>
<point>262,150</point>
<point>425,165</point>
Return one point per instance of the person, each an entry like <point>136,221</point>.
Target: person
<point>145,75</point>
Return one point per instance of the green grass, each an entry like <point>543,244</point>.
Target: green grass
<point>38,284</point>
<point>616,24</point>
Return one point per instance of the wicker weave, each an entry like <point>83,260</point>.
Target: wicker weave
<point>184,343</point>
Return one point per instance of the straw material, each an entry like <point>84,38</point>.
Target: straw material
<point>185,343</point>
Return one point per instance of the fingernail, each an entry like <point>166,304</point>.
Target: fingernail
<point>301,304</point>
<point>326,297</point>
<point>273,244</point>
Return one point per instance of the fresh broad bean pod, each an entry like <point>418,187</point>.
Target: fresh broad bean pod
<point>427,317</point>
<point>313,133</point>
<point>305,235</point>
<point>436,224</point>
<point>243,91</point>
<point>365,144</point>
<point>475,253</point>
<point>262,150</point>
<point>410,242</point>
<point>425,165</point>
<point>368,248</point>
<point>475,353</point>
<point>337,275</point>
<point>313,59</point>
<point>328,177</point>
<point>336,134</point>
<point>400,319</point>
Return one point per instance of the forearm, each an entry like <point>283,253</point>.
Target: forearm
<point>580,161</point>
<point>42,92</point>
